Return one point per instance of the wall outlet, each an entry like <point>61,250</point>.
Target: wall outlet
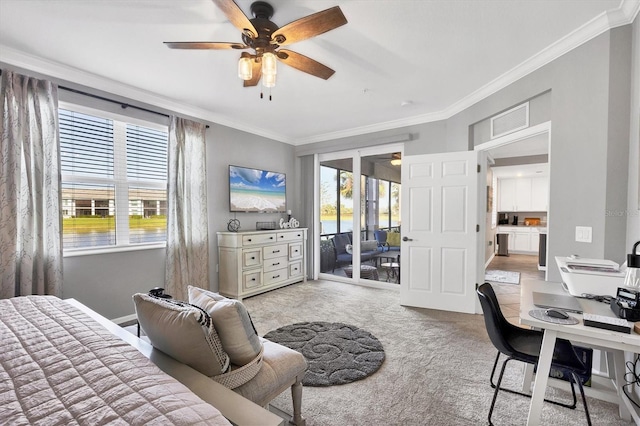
<point>583,234</point>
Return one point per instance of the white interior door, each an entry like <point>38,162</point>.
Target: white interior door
<point>439,219</point>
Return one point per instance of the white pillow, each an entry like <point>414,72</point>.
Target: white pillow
<point>232,322</point>
<point>184,332</point>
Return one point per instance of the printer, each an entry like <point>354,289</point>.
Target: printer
<point>590,276</point>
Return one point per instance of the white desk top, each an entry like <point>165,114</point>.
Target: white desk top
<point>579,332</point>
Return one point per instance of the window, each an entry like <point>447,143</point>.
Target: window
<point>114,181</point>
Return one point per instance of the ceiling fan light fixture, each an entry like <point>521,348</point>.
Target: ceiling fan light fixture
<point>245,67</point>
<point>269,64</point>
<point>269,80</point>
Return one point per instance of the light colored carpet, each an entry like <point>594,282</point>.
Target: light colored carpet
<point>507,277</point>
<point>436,370</point>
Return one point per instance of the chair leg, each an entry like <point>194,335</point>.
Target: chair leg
<point>296,396</point>
<point>495,393</point>
<point>493,386</point>
<point>584,399</point>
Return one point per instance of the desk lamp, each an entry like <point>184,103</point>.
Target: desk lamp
<point>632,279</point>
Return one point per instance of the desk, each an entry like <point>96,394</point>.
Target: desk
<point>607,340</point>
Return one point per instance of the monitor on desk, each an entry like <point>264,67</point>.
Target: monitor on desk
<point>559,301</point>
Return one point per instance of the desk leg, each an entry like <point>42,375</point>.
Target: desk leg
<point>528,378</point>
<point>542,376</point>
<point>619,369</point>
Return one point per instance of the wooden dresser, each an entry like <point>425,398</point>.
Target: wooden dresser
<point>253,262</point>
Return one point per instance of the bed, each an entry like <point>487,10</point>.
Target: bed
<point>61,363</point>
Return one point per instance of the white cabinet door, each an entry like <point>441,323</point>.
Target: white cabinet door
<point>539,194</point>
<point>523,194</point>
<point>521,241</point>
<point>506,195</point>
<point>535,240</point>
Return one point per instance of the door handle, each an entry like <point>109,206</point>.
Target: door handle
<point>407,239</point>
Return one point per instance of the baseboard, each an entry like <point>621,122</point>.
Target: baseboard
<point>486,264</point>
<point>125,320</point>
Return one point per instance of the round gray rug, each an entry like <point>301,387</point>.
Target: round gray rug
<point>337,353</point>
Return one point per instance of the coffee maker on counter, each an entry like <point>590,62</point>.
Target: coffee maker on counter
<point>503,218</point>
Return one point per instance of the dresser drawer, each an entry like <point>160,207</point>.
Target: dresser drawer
<point>273,277</point>
<point>251,258</point>
<point>295,269</point>
<point>290,236</point>
<point>277,250</point>
<point>254,239</point>
<point>295,250</point>
<point>251,280</point>
<point>275,263</point>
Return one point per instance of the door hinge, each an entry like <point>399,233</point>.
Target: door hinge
<point>478,168</point>
<point>477,228</point>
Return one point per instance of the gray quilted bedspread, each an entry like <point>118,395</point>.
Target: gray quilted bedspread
<point>60,367</point>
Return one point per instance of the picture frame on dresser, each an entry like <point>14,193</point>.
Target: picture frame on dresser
<point>253,262</point>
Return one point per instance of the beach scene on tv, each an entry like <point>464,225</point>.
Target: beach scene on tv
<point>252,190</point>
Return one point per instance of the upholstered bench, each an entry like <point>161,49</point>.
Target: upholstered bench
<point>281,368</point>
<point>215,336</point>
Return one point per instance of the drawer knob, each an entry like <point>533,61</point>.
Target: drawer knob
<point>276,251</point>
<point>249,239</point>
<point>253,258</point>
<point>253,279</point>
<point>276,276</point>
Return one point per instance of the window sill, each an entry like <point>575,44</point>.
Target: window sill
<point>105,250</point>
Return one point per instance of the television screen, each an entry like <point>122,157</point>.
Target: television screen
<point>253,190</point>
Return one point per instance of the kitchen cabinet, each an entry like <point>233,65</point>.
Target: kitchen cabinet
<point>257,261</point>
<point>523,194</point>
<point>522,239</point>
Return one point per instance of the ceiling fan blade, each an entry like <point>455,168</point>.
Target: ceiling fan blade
<point>310,26</point>
<point>305,64</point>
<point>256,73</point>
<point>203,45</point>
<point>237,17</point>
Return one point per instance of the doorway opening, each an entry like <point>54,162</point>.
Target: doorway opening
<point>518,206</point>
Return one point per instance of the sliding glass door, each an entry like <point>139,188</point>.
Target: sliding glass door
<point>358,208</point>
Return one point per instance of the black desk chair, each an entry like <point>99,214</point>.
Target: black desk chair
<point>524,345</point>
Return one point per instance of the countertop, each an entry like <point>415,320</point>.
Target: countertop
<point>541,229</point>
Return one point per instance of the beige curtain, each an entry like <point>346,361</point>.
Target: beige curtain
<point>187,260</point>
<point>30,217</point>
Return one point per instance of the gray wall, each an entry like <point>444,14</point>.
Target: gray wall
<point>587,110</point>
<point>586,105</point>
<point>226,146</point>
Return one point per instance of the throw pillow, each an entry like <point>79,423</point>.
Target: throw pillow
<point>369,245</point>
<point>182,331</point>
<point>232,322</point>
<point>393,239</point>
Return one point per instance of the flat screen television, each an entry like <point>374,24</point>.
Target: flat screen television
<point>255,190</point>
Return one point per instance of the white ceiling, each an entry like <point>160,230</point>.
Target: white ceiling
<point>437,56</point>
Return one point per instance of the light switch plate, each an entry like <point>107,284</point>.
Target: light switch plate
<point>583,234</point>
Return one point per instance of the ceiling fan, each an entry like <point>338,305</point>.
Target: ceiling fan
<point>264,38</point>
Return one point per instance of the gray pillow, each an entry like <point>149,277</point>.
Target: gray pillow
<point>182,331</point>
<point>232,322</point>
<point>368,245</point>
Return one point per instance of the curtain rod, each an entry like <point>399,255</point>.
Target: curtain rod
<point>123,105</point>
<point>102,98</point>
